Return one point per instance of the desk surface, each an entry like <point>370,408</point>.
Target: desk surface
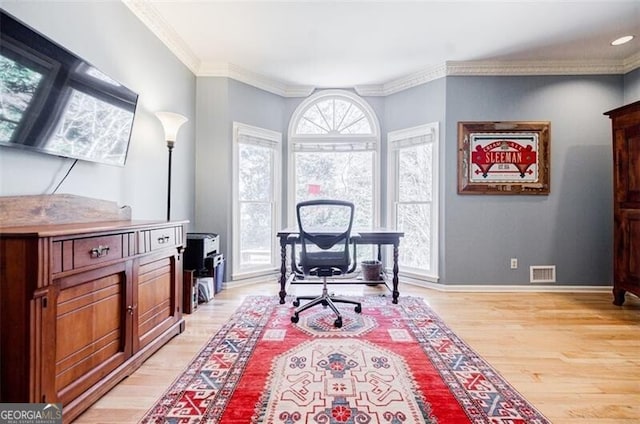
<point>366,234</point>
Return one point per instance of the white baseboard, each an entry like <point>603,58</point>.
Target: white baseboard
<point>477,288</point>
<point>498,288</point>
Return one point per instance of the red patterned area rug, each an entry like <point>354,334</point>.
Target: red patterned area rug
<point>393,364</point>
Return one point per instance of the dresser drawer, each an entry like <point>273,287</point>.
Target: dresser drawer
<point>94,250</point>
<point>82,252</point>
<point>159,238</point>
<point>162,238</point>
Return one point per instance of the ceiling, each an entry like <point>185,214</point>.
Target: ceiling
<point>292,46</point>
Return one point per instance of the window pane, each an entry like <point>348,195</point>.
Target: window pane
<point>415,175</point>
<point>326,114</point>
<point>343,175</point>
<point>355,123</point>
<point>255,234</point>
<point>334,116</point>
<point>415,220</point>
<point>254,173</point>
<point>342,107</point>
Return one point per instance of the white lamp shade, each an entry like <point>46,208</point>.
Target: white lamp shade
<point>171,122</point>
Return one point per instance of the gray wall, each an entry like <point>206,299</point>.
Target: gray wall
<point>632,87</point>
<point>109,36</point>
<point>572,226</point>
<point>220,102</point>
<point>418,106</point>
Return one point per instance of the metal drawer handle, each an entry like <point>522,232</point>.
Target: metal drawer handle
<point>163,240</point>
<point>99,251</point>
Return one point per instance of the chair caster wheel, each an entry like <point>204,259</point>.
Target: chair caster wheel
<point>295,319</point>
<point>338,323</point>
<point>358,309</point>
<point>296,303</point>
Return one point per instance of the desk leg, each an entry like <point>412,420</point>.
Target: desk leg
<point>396,293</point>
<point>283,269</point>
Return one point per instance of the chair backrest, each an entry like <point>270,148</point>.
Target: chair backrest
<point>325,231</point>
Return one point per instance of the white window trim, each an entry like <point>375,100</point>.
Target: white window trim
<point>309,140</point>
<point>265,138</point>
<point>395,141</point>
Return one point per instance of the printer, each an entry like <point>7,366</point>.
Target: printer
<point>202,248</point>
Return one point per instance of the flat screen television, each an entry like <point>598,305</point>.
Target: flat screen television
<point>54,102</point>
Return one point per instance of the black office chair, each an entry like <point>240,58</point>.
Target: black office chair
<point>324,236</point>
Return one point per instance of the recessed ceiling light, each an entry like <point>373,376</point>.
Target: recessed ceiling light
<point>622,40</point>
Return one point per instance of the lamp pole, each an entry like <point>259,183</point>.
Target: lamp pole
<point>170,147</point>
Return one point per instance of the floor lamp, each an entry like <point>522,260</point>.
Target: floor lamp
<point>171,122</point>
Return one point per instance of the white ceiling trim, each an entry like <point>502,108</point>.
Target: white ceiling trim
<point>631,63</point>
<point>229,70</point>
<point>536,68</point>
<point>403,83</point>
<point>154,21</point>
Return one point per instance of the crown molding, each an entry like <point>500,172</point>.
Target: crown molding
<point>502,68</point>
<point>400,84</point>
<point>631,63</point>
<point>152,20</point>
<point>145,11</point>
<point>517,68</point>
<point>229,70</point>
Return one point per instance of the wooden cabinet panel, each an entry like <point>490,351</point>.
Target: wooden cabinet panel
<point>91,334</point>
<point>18,281</point>
<point>157,307</point>
<point>90,304</point>
<point>627,235</point>
<point>626,164</point>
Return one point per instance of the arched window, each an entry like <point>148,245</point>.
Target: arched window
<point>334,140</point>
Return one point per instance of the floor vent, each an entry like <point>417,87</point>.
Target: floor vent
<point>542,274</point>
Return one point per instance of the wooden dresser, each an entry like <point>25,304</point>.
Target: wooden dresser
<point>626,180</point>
<point>83,301</point>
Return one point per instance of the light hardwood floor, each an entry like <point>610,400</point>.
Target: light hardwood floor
<point>574,356</point>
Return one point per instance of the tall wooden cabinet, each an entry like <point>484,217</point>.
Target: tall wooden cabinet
<point>82,305</point>
<point>626,232</point>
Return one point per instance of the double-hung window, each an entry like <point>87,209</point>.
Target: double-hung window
<point>256,199</point>
<point>413,197</point>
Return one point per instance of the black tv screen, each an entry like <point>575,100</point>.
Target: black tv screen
<point>54,102</point>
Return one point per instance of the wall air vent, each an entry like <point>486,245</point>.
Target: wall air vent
<point>542,274</point>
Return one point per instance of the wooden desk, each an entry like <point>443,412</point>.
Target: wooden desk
<point>378,236</point>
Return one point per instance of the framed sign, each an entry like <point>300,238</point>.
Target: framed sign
<point>503,157</point>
